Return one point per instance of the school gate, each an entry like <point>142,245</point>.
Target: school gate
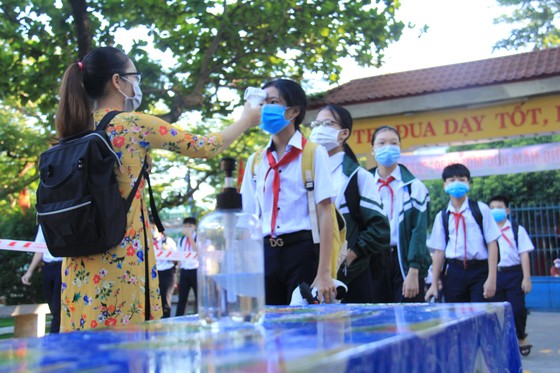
<point>478,101</point>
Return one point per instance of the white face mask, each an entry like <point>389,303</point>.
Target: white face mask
<point>132,103</point>
<point>326,136</point>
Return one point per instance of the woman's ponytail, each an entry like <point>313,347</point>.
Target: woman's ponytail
<point>74,114</point>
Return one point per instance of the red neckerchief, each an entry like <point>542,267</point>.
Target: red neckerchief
<point>385,183</point>
<point>287,158</point>
<point>506,237</point>
<point>458,217</point>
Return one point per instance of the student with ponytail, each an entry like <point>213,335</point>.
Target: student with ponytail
<point>277,194</point>
<point>367,227</point>
<point>118,287</point>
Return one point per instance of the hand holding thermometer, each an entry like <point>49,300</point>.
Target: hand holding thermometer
<point>255,96</point>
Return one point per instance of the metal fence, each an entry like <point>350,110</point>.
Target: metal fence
<point>542,223</point>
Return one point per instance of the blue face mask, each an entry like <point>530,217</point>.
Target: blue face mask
<point>457,189</point>
<point>387,155</point>
<point>499,214</point>
<point>272,118</point>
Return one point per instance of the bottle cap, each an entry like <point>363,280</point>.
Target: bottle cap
<point>229,198</point>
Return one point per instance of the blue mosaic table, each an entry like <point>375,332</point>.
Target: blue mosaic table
<point>320,338</point>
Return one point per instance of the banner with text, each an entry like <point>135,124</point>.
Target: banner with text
<point>487,162</point>
<point>444,127</point>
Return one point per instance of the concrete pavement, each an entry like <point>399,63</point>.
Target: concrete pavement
<point>544,334</point>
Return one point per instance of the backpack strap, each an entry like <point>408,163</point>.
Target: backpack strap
<point>153,208</point>
<point>143,173</point>
<point>352,196</point>
<point>106,120</point>
<point>308,174</point>
<point>477,214</point>
<point>515,228</point>
<point>256,161</point>
<point>445,221</point>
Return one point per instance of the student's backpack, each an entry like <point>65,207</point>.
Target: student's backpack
<point>339,244</point>
<point>79,206</point>
<point>477,214</point>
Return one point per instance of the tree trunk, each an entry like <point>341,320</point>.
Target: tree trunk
<point>83,26</point>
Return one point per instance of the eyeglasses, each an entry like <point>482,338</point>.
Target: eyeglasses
<point>326,123</point>
<point>138,76</point>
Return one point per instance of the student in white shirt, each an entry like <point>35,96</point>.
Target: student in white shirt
<point>278,196</point>
<point>468,256</point>
<point>52,280</point>
<point>166,268</point>
<point>367,226</point>
<point>188,266</point>
<point>514,267</point>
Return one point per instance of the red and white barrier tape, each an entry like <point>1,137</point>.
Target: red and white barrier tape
<point>15,245</point>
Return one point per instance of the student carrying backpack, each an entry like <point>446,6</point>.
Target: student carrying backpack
<point>279,197</point>
<point>466,254</point>
<point>514,267</point>
<point>407,203</point>
<point>367,225</point>
<point>339,243</point>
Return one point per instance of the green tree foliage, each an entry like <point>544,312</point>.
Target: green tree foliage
<point>18,225</point>
<point>210,48</point>
<point>535,24</point>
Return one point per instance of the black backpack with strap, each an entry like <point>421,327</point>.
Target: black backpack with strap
<point>477,214</point>
<point>79,206</point>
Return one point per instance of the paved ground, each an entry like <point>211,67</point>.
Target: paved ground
<point>544,334</point>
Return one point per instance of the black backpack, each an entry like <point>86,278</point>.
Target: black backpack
<point>79,206</point>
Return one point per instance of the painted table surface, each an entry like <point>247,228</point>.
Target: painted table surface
<point>465,337</point>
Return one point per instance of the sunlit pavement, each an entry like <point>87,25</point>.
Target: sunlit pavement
<point>544,334</point>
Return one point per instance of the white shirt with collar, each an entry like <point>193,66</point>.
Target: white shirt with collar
<point>476,249</point>
<point>396,203</point>
<point>191,262</point>
<point>162,264</point>
<point>509,254</point>
<point>335,166</point>
<point>293,214</point>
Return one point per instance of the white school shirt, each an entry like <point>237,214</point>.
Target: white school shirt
<point>47,256</point>
<point>293,214</point>
<point>338,177</point>
<point>476,250</point>
<point>509,256</point>
<point>191,262</point>
<point>162,264</point>
<point>385,195</point>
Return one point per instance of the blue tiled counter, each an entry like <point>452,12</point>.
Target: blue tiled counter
<point>320,338</point>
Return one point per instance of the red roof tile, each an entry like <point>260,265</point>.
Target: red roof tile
<point>514,68</point>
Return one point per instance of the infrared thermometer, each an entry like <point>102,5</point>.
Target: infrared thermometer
<point>255,96</point>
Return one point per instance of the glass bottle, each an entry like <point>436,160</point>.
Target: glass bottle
<point>231,260</point>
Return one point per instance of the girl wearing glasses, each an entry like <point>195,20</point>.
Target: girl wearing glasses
<point>111,286</point>
<point>367,225</point>
<point>406,202</point>
<point>273,188</point>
